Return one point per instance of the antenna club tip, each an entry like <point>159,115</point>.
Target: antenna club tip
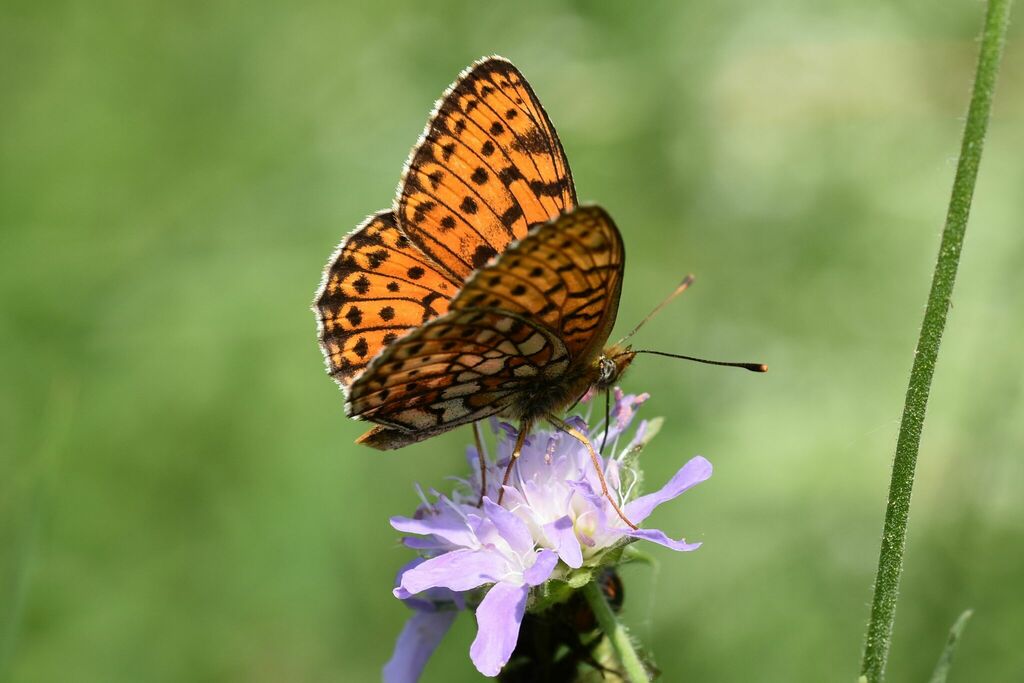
<point>763,367</point>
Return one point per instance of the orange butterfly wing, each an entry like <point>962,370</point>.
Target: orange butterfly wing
<point>566,275</point>
<point>511,332</point>
<point>488,166</point>
<point>377,287</point>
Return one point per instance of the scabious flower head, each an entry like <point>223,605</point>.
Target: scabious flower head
<point>553,523</point>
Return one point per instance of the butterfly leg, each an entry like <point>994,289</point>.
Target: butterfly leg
<point>483,462</point>
<point>524,429</point>
<point>607,420</point>
<point>558,423</point>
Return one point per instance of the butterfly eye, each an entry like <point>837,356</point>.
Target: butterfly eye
<point>606,371</point>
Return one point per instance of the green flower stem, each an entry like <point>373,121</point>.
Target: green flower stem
<point>890,560</point>
<point>616,632</point>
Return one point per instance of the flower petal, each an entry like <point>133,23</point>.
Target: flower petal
<point>447,525</point>
<point>419,638</point>
<point>692,473</point>
<point>659,537</point>
<point>626,407</point>
<point>542,568</point>
<point>472,458</point>
<point>459,570</point>
<point>428,600</point>
<point>498,618</point>
<point>417,543</point>
<point>511,528</point>
<point>622,414</point>
<point>513,498</point>
<point>579,423</point>
<point>563,536</point>
<point>510,431</point>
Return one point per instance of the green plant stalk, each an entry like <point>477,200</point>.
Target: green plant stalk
<point>894,534</point>
<point>616,633</point>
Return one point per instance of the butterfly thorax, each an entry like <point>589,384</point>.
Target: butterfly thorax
<point>555,395</point>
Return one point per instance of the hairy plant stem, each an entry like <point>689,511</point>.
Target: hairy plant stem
<point>616,632</point>
<point>890,560</point>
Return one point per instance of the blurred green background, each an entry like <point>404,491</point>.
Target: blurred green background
<point>180,498</point>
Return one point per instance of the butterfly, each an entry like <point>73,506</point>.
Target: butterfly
<point>486,289</point>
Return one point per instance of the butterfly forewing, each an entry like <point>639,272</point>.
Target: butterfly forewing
<point>566,275</point>
<point>488,166</point>
<point>376,288</point>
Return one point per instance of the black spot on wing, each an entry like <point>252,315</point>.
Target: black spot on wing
<point>483,254</point>
<point>376,258</point>
<point>509,175</point>
<point>552,189</point>
<point>513,214</point>
<point>533,142</point>
<point>361,348</point>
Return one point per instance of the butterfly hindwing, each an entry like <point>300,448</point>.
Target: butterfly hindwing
<point>377,287</point>
<point>458,368</point>
<point>488,166</point>
<point>566,275</point>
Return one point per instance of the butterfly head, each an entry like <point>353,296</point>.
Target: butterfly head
<point>611,364</point>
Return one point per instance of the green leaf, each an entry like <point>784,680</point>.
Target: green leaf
<point>580,578</point>
<point>632,554</point>
<point>946,658</point>
<point>549,593</point>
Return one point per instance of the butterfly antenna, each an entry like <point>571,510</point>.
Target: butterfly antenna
<point>687,281</point>
<point>753,367</point>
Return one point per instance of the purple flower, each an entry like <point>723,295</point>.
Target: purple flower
<point>419,638</point>
<point>434,613</point>
<point>553,522</point>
